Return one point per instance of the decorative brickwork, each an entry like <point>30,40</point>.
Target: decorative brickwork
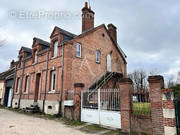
<point>163,112</point>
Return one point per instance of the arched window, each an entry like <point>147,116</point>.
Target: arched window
<point>55,48</point>
<point>109,63</point>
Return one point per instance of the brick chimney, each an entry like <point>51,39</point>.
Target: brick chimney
<point>87,18</point>
<point>113,32</point>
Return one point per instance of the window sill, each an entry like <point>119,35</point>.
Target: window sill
<point>80,57</point>
<point>98,62</point>
<point>25,93</point>
<point>54,57</point>
<point>51,92</point>
<point>34,63</point>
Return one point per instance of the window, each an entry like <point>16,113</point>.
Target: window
<point>98,56</point>
<point>78,50</point>
<point>55,48</point>
<point>27,85</point>
<point>35,56</point>
<point>53,80</point>
<point>109,63</point>
<point>18,85</point>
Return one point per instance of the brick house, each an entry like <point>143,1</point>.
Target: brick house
<point>48,70</point>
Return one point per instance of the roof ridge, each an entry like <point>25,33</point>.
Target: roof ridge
<point>67,33</point>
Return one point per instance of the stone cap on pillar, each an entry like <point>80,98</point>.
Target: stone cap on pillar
<point>125,80</point>
<point>155,78</point>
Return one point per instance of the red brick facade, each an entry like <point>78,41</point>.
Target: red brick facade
<point>68,67</point>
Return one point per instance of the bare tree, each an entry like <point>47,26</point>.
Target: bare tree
<point>139,78</point>
<point>170,82</point>
<point>178,79</point>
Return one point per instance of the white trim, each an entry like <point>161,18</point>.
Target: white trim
<point>51,91</point>
<point>78,50</point>
<point>53,80</point>
<point>55,53</point>
<point>98,54</point>
<point>170,130</point>
<point>169,113</point>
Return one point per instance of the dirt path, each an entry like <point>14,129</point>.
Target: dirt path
<point>12,123</point>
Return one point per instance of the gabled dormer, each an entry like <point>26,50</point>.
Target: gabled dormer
<point>24,52</point>
<point>57,37</point>
<point>37,46</point>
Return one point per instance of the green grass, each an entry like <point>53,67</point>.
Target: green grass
<point>72,122</point>
<point>142,108</point>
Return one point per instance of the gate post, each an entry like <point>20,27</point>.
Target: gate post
<point>77,100</point>
<point>125,86</point>
<point>156,83</point>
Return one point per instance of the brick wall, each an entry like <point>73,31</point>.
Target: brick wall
<point>163,112</point>
<point>141,124</point>
<point>168,112</point>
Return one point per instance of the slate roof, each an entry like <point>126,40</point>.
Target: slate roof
<point>42,42</point>
<point>69,34</point>
<point>7,73</point>
<point>26,49</point>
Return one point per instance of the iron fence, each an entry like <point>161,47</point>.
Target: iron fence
<point>104,99</point>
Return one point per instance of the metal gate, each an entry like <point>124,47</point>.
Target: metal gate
<point>102,107</point>
<point>177,112</point>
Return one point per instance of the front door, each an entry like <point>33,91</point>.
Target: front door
<point>10,97</point>
<point>37,88</point>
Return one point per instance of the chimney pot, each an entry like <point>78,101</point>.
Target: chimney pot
<point>87,18</point>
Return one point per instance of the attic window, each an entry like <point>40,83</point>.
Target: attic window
<point>35,56</point>
<point>55,48</point>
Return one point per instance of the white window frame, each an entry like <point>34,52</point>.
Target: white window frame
<point>35,56</point>
<point>98,56</point>
<point>53,81</point>
<point>27,84</point>
<point>78,50</point>
<point>55,49</point>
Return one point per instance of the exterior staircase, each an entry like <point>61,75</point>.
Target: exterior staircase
<point>102,80</point>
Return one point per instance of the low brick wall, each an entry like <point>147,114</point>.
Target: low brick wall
<point>141,124</point>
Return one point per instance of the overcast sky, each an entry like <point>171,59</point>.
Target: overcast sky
<point>148,31</point>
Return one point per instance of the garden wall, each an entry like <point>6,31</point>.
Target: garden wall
<point>141,124</point>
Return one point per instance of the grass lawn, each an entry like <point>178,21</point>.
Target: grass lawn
<point>142,108</point>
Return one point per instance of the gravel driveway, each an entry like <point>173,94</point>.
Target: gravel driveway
<point>12,123</point>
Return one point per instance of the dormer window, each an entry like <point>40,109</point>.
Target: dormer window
<point>20,62</point>
<point>55,49</point>
<point>78,50</point>
<point>35,56</point>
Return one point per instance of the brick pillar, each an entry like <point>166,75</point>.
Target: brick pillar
<point>77,100</point>
<point>156,83</point>
<point>169,112</point>
<point>125,86</point>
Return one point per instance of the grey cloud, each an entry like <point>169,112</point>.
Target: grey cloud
<point>148,31</point>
